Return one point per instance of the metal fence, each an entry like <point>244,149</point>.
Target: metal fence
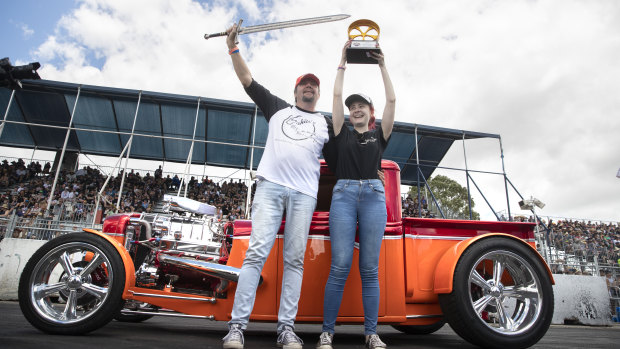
<point>41,228</point>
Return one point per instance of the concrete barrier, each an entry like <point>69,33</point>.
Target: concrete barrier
<point>14,254</point>
<point>581,299</point>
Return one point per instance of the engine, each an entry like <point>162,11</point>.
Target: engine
<point>181,250</point>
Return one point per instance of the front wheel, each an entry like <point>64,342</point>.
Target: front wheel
<point>502,295</point>
<point>72,285</point>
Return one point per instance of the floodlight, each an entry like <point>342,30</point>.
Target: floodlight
<point>539,203</point>
<point>525,205</point>
<point>530,203</point>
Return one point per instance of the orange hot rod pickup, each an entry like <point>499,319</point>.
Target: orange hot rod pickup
<point>483,278</point>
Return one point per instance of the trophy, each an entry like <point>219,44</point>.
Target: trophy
<point>364,34</point>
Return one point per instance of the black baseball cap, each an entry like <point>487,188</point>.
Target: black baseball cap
<point>357,97</point>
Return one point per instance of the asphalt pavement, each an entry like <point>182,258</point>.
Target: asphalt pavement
<point>171,333</point>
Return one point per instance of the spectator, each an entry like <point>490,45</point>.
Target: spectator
<point>175,182</point>
<point>158,173</point>
<point>5,211</point>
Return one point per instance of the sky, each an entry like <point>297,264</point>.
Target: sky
<point>542,74</point>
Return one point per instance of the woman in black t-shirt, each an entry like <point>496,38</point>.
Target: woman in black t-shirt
<point>358,199</point>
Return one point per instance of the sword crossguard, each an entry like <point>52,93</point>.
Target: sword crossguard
<point>238,30</point>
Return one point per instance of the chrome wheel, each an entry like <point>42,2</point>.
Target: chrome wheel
<point>505,292</point>
<point>72,285</point>
<point>75,296</point>
<point>501,295</point>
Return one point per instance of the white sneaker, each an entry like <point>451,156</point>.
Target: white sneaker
<point>234,338</point>
<point>373,341</point>
<point>287,339</point>
<point>325,341</point>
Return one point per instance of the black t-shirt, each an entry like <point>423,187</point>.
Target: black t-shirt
<point>353,155</point>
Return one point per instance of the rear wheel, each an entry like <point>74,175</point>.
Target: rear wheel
<point>502,295</point>
<point>87,293</point>
<point>421,329</point>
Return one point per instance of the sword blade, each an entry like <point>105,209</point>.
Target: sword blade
<point>284,24</point>
<point>293,23</point>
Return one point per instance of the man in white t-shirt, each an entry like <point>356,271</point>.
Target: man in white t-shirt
<point>65,194</point>
<point>288,176</point>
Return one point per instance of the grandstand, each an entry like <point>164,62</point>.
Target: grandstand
<point>42,199</point>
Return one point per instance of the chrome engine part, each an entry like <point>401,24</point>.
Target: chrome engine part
<point>178,234</point>
<point>147,275</point>
<point>181,251</point>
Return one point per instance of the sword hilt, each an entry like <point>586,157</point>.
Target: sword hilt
<point>209,36</point>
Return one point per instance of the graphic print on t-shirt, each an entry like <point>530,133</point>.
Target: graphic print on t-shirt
<point>364,141</point>
<point>298,128</point>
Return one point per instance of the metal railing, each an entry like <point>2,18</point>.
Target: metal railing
<point>40,228</point>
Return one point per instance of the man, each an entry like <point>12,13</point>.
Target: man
<point>288,176</point>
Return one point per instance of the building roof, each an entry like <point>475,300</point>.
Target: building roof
<point>41,111</point>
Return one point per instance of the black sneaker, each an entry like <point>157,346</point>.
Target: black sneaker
<point>287,339</point>
<point>325,341</point>
<point>234,338</point>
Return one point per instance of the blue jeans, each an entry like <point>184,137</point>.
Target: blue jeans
<point>354,203</point>
<point>270,202</point>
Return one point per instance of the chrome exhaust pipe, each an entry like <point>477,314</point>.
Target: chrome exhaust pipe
<point>220,271</point>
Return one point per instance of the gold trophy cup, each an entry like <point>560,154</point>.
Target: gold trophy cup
<point>364,34</point>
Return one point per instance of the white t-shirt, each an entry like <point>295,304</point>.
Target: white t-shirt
<point>294,142</point>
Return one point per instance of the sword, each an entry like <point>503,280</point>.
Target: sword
<point>280,25</point>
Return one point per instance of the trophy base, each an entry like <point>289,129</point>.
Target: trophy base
<point>359,52</point>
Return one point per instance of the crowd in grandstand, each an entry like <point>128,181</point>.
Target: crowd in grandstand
<point>24,191</point>
<point>228,198</point>
<point>585,241</point>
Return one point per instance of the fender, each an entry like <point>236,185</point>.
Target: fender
<point>130,272</point>
<point>444,272</point>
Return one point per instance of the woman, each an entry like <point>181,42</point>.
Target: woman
<point>358,199</point>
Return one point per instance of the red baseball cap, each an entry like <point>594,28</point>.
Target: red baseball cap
<point>308,76</point>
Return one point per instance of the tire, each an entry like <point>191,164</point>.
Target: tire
<point>420,330</point>
<point>92,291</point>
<point>502,278</point>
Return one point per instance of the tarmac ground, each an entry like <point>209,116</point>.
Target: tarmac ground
<point>166,332</point>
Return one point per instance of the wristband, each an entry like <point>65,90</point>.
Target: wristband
<point>233,50</point>
<point>342,67</point>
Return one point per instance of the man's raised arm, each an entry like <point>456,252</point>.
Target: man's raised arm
<point>241,69</point>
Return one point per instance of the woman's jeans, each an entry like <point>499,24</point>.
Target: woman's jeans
<point>270,202</point>
<point>355,203</point>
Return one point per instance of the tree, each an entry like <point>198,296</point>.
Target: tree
<point>451,197</point>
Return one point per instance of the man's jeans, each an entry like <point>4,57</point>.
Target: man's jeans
<point>270,202</point>
<point>355,202</point>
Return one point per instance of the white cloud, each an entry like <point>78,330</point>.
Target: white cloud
<point>542,74</point>
<point>27,32</point>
